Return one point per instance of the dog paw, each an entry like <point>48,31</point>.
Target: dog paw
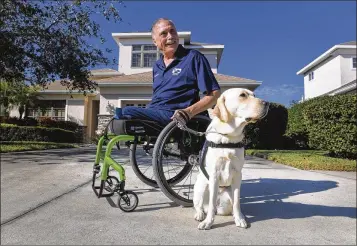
<point>241,222</point>
<point>199,216</point>
<point>205,225</point>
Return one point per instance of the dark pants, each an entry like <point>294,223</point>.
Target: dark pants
<point>163,117</point>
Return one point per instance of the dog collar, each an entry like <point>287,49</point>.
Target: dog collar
<point>225,145</point>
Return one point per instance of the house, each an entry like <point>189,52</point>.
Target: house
<point>130,85</point>
<point>332,73</point>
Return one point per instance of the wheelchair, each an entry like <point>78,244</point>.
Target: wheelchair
<point>164,157</point>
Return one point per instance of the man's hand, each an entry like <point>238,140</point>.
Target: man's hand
<point>181,117</point>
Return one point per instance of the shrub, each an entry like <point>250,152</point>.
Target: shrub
<point>296,132</point>
<point>296,135</point>
<point>46,122</point>
<point>331,125</point>
<point>268,133</point>
<point>19,122</point>
<point>6,125</point>
<point>66,125</point>
<point>43,121</point>
<point>28,133</point>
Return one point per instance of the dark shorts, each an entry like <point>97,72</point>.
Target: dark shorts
<point>163,117</point>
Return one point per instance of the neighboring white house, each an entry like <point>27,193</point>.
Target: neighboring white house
<point>332,73</point>
<point>131,84</point>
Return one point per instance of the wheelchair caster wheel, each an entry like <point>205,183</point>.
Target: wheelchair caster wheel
<point>127,201</point>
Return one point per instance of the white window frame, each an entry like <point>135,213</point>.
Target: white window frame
<point>142,52</point>
<point>311,76</point>
<point>353,68</point>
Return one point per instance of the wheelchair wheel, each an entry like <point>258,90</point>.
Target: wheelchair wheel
<point>174,150</point>
<point>142,165</point>
<point>141,162</point>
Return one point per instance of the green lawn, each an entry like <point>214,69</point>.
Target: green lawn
<point>22,146</point>
<point>306,159</point>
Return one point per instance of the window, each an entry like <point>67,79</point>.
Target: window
<point>311,76</point>
<point>142,105</point>
<point>136,60</point>
<point>144,55</point>
<point>54,109</point>
<point>149,60</point>
<point>354,60</point>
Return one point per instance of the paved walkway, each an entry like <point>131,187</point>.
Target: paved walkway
<point>46,198</point>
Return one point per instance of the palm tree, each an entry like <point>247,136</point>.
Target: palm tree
<point>27,97</point>
<point>5,99</point>
<point>18,94</point>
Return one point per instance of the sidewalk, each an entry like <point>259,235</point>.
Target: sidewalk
<point>47,199</point>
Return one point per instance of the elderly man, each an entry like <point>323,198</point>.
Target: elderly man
<point>178,77</point>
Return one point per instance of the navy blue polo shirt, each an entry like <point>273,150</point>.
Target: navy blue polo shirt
<point>178,85</point>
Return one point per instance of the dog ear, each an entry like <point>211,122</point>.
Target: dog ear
<point>221,111</point>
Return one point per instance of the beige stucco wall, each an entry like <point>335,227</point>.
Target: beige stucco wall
<point>112,97</point>
<point>75,111</point>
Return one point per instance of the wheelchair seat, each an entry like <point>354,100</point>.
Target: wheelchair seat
<point>135,127</point>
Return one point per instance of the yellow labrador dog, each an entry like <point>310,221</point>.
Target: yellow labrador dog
<point>221,193</point>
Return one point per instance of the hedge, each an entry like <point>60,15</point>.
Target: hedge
<point>28,133</point>
<point>296,132</point>
<point>43,121</point>
<point>331,125</point>
<point>268,133</point>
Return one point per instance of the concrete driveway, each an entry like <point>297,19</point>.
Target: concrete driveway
<point>46,198</point>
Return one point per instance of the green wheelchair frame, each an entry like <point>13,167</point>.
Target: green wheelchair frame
<point>127,200</point>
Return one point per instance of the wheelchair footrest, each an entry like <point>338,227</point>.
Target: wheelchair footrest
<point>99,192</point>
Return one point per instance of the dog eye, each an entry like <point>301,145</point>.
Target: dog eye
<point>242,95</point>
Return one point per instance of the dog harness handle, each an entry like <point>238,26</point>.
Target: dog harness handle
<point>202,158</point>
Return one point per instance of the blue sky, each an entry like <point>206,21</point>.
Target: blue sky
<point>264,41</point>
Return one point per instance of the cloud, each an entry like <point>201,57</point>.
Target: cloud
<point>281,90</point>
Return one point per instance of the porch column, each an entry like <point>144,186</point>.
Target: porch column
<point>88,113</point>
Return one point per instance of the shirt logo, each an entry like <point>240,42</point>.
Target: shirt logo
<point>176,71</point>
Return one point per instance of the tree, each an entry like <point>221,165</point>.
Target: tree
<point>18,94</point>
<point>41,41</point>
<point>26,97</point>
<point>4,98</point>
